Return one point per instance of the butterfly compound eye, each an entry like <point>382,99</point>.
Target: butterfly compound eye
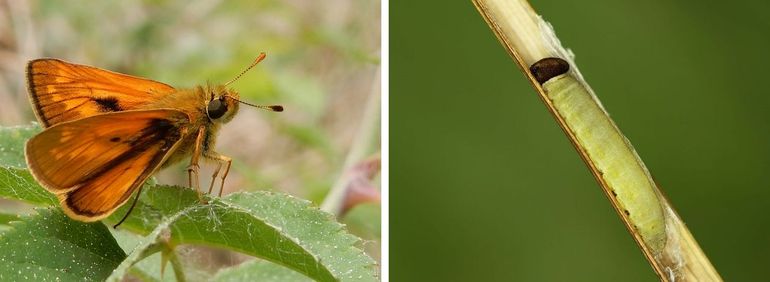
<point>217,108</point>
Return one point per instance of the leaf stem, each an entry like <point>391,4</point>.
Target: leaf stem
<point>176,265</point>
<point>370,124</point>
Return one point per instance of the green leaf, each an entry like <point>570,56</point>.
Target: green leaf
<point>6,219</point>
<point>149,269</point>
<point>259,270</point>
<point>314,230</point>
<point>18,184</point>
<point>155,242</point>
<point>272,226</point>
<point>15,181</point>
<point>49,246</point>
<point>12,141</point>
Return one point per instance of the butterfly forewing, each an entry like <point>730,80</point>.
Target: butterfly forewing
<point>95,163</point>
<point>62,91</point>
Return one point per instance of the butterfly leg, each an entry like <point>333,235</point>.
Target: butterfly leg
<point>222,160</point>
<point>214,177</point>
<point>194,167</point>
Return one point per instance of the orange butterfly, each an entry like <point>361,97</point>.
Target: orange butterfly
<point>106,133</point>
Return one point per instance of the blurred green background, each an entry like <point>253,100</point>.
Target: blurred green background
<point>322,65</point>
<point>485,186</point>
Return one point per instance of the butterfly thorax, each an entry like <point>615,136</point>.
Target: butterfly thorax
<point>208,108</point>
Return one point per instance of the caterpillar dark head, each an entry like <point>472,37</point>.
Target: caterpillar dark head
<point>548,68</point>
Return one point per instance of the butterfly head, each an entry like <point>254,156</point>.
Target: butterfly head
<point>223,103</point>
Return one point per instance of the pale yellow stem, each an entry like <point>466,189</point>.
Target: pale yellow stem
<point>660,233</point>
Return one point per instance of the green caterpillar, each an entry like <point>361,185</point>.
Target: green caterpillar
<point>607,148</point>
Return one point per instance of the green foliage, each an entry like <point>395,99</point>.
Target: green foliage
<point>6,219</point>
<point>274,227</point>
<point>258,270</point>
<point>12,147</point>
<point>17,183</point>
<point>49,246</point>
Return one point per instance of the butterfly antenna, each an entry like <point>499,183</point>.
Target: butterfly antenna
<point>256,61</point>
<point>272,108</point>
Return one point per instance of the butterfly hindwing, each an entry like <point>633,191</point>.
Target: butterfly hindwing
<point>95,163</point>
<point>62,91</point>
